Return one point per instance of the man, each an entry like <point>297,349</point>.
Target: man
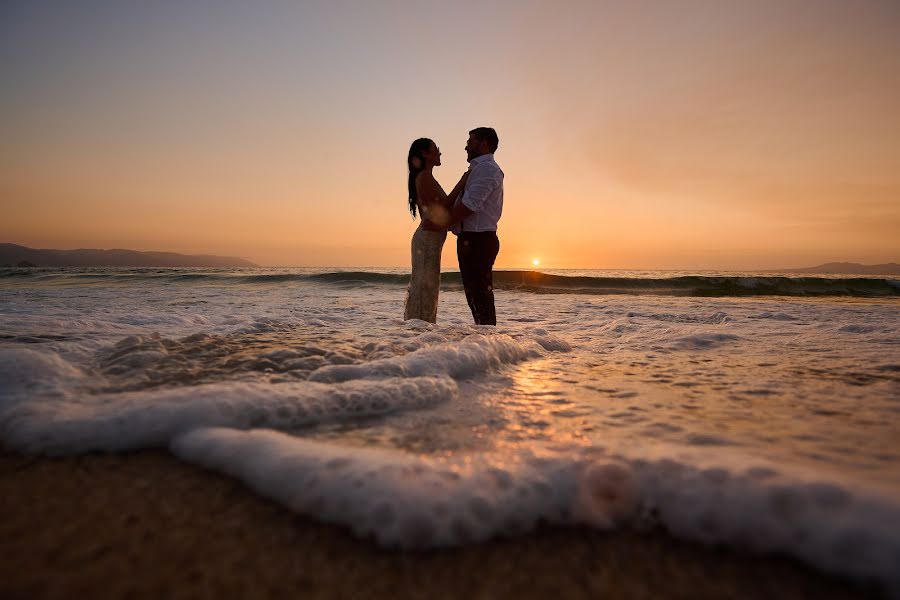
<point>474,217</point>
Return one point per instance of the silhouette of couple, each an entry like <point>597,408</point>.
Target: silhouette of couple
<point>471,211</point>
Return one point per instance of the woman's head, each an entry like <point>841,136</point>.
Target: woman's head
<point>423,154</point>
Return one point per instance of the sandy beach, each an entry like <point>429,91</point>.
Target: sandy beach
<point>144,525</point>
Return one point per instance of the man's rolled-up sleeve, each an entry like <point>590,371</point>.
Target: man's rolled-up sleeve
<point>480,187</point>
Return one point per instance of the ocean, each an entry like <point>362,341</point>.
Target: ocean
<point>757,411</point>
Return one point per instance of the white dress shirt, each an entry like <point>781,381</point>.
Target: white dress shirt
<point>483,195</point>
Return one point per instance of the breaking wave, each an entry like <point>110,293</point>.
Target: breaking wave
<point>522,281</point>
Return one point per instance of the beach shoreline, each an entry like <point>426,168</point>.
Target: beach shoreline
<point>143,524</point>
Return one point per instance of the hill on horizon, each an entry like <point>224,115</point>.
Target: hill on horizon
<point>847,268</point>
<point>13,255</point>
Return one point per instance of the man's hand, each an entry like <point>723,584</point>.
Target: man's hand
<point>429,226</point>
<point>460,213</point>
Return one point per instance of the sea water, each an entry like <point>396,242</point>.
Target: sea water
<point>761,412</point>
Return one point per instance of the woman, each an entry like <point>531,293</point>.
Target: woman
<point>427,195</point>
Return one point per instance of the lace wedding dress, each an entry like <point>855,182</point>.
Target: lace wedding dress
<point>425,282</point>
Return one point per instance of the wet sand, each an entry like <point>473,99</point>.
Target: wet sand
<point>145,525</point>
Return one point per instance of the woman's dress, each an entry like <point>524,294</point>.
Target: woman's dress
<point>425,282</point>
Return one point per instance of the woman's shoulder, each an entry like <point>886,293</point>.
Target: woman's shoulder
<point>425,180</point>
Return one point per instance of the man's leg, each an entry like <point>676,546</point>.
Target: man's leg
<point>485,312</point>
<point>467,270</point>
<point>477,253</point>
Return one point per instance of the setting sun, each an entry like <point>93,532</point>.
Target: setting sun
<point>536,261</point>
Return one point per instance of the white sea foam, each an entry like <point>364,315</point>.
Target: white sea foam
<point>475,354</point>
<point>151,418</point>
<point>63,414</point>
<point>27,373</point>
<point>482,431</point>
<point>412,501</point>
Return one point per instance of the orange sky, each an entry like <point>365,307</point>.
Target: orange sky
<point>681,135</point>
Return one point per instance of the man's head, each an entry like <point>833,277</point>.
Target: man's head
<point>482,140</point>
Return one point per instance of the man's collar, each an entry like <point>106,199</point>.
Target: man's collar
<point>480,159</point>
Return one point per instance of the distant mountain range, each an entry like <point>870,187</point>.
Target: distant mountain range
<point>843,268</point>
<point>13,255</point>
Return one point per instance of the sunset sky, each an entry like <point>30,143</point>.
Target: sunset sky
<point>671,135</point>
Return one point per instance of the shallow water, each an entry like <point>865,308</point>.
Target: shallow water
<point>764,422</point>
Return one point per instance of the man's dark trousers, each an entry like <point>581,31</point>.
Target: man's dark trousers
<point>476,251</point>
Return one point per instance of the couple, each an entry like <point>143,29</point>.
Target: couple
<point>471,211</point>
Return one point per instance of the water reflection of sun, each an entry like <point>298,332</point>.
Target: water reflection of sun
<point>539,408</point>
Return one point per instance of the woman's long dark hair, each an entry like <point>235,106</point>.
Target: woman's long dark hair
<point>416,164</point>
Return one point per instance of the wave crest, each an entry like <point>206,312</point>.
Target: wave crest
<point>522,281</point>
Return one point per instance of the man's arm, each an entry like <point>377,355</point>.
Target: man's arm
<point>460,213</point>
<point>482,182</point>
<point>458,189</point>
